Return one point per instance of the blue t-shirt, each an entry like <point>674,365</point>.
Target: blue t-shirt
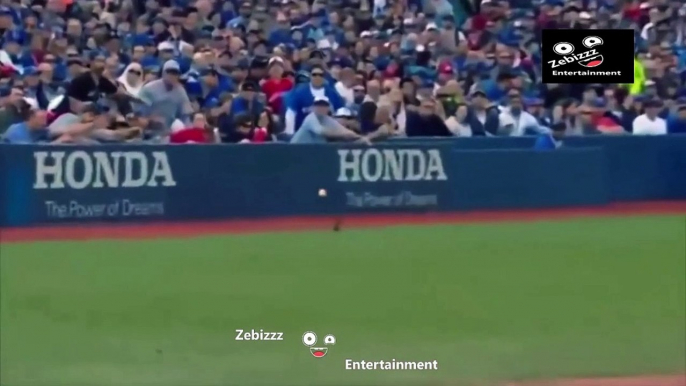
<point>19,133</point>
<point>546,142</point>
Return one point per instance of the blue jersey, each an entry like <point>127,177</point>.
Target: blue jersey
<point>299,102</point>
<point>546,142</point>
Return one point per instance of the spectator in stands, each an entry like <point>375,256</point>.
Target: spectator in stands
<point>369,105</point>
<point>551,140</point>
<point>345,85</point>
<point>266,127</point>
<point>676,123</point>
<point>132,79</point>
<point>80,127</point>
<point>482,118</point>
<point>428,121</point>
<point>534,106</point>
<point>87,87</point>
<point>409,88</point>
<point>244,130</point>
<point>649,123</point>
<point>166,98</point>
<point>33,128</point>
<point>246,102</point>
<point>300,100</point>
<point>524,123</point>
<point>10,109</point>
<point>277,85</point>
<point>457,123</point>
<point>586,120</point>
<point>347,119</point>
<point>319,127</point>
<point>344,51</point>
<point>199,132</point>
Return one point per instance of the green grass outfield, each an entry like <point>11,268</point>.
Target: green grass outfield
<point>490,301</point>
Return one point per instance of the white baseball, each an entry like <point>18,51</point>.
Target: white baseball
<point>322,192</point>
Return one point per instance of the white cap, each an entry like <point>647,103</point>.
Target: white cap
<point>275,59</point>
<point>171,65</point>
<point>365,34</point>
<point>323,44</point>
<point>321,99</point>
<point>585,15</point>
<point>431,26</point>
<point>165,46</point>
<point>343,112</point>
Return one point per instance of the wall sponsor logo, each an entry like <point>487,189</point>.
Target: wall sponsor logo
<point>587,56</point>
<point>372,165</point>
<point>99,169</point>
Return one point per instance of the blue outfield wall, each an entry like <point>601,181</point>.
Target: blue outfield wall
<point>61,184</point>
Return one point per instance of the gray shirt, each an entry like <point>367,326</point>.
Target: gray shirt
<point>169,104</point>
<point>312,129</point>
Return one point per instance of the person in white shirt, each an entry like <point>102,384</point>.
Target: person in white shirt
<point>457,123</point>
<point>649,123</point>
<point>523,123</point>
<point>345,85</point>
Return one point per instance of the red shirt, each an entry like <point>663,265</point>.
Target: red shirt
<point>259,135</point>
<point>189,135</point>
<point>274,89</point>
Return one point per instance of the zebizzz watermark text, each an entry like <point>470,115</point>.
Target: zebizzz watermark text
<point>391,365</point>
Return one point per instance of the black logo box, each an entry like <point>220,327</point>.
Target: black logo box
<point>617,50</point>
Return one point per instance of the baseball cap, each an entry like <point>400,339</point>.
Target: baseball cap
<point>248,86</point>
<point>445,68</point>
<point>171,65</point>
<point>321,101</point>
<point>431,27</point>
<point>165,46</point>
<point>477,92</point>
<point>343,112</point>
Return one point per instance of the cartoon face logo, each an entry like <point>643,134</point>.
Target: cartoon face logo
<point>588,59</point>
<point>310,339</point>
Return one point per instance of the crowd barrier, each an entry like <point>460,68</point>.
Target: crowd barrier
<point>61,184</point>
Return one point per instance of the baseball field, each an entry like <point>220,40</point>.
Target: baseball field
<point>596,296</point>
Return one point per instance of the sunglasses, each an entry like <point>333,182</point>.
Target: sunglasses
<point>317,74</point>
<point>135,72</point>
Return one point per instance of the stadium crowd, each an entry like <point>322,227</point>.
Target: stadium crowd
<point>205,71</point>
